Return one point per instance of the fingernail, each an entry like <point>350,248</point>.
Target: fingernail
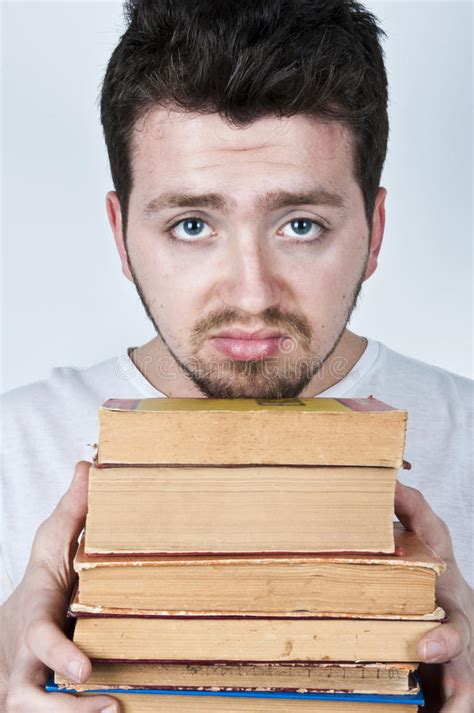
<point>76,669</point>
<point>433,650</point>
<point>109,709</point>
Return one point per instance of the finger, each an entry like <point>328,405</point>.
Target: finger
<point>67,519</point>
<point>47,643</point>
<point>55,543</point>
<point>72,508</point>
<point>416,515</point>
<point>27,698</point>
<point>43,633</point>
<point>51,574</point>
<point>25,692</point>
<point>446,641</point>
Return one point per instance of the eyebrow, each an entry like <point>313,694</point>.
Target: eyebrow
<point>269,201</point>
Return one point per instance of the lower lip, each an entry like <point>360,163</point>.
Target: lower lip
<point>247,349</point>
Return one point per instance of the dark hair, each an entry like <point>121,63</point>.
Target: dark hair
<point>246,59</point>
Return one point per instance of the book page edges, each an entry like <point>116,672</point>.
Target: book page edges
<point>416,554</point>
<point>77,610</point>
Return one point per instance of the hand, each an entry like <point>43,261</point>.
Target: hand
<point>450,644</point>
<point>32,619</point>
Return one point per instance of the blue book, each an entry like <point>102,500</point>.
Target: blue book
<point>415,699</point>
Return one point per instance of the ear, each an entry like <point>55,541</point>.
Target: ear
<point>114,213</point>
<point>378,225</point>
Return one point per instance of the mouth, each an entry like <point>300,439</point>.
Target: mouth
<point>246,346</point>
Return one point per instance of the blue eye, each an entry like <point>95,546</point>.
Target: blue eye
<point>189,228</point>
<point>303,228</point>
<point>192,227</point>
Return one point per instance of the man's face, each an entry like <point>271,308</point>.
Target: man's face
<point>245,229</point>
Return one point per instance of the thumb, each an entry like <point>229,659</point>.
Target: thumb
<point>416,515</point>
<point>72,508</point>
<point>67,519</point>
<point>446,641</point>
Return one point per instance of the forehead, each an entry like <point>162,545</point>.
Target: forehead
<point>171,146</point>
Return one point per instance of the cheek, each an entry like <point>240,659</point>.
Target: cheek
<point>324,288</point>
<point>320,297</point>
<point>331,275</point>
<point>173,281</point>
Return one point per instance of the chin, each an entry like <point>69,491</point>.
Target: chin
<point>255,387</point>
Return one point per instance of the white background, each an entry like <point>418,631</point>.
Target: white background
<point>65,301</point>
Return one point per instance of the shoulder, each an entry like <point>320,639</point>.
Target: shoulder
<point>66,390</point>
<point>417,380</point>
<point>47,426</point>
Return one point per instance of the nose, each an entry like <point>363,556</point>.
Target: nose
<point>249,280</point>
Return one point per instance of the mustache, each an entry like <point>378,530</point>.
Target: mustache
<point>291,323</point>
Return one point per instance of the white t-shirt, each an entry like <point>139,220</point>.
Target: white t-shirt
<point>51,424</point>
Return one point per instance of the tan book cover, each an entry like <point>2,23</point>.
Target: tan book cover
<point>358,585</point>
<point>315,431</point>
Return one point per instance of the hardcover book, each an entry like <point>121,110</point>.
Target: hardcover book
<point>315,431</point>
<point>163,701</point>
<point>297,677</point>
<point>240,509</point>
<point>330,585</point>
<point>222,640</point>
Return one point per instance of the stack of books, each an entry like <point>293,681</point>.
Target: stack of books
<point>241,555</point>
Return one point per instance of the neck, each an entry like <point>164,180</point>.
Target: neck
<point>346,354</point>
<point>156,364</point>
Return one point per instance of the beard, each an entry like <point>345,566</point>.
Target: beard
<point>279,377</point>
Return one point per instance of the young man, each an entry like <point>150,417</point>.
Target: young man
<point>246,142</point>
